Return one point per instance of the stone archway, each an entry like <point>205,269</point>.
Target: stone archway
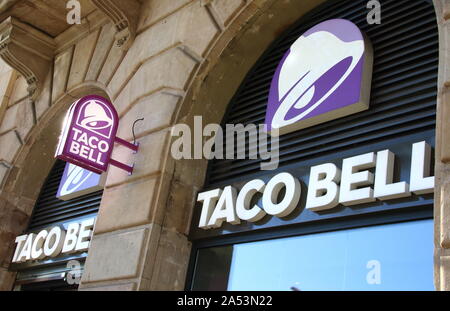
<point>27,175</point>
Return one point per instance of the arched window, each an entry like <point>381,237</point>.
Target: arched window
<point>49,211</point>
<point>342,248</point>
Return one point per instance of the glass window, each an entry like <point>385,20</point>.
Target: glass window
<point>387,257</point>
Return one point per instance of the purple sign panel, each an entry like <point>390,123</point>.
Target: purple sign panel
<point>89,133</point>
<point>77,181</point>
<point>326,74</point>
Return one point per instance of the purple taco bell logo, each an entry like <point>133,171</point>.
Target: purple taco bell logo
<point>89,133</point>
<point>77,181</point>
<point>325,75</point>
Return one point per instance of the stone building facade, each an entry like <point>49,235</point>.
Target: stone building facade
<point>165,61</point>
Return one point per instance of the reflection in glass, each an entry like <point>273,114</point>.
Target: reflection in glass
<point>388,257</point>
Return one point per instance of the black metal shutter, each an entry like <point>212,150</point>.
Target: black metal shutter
<point>49,210</point>
<point>403,89</point>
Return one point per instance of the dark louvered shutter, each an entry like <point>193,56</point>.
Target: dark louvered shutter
<point>403,89</point>
<point>49,210</point>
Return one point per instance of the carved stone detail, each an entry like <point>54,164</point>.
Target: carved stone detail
<point>124,15</point>
<point>28,51</point>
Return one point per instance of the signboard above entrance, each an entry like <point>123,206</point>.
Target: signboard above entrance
<point>364,183</point>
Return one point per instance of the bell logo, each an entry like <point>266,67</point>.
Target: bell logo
<point>96,117</point>
<point>325,75</point>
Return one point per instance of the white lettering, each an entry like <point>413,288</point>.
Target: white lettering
<point>54,242</point>
<point>37,252</point>
<point>243,201</point>
<point>323,191</point>
<point>19,241</point>
<point>420,181</point>
<point>291,196</point>
<point>225,209</point>
<point>328,187</point>
<point>353,177</point>
<point>384,189</point>
<point>209,198</point>
<point>71,238</point>
<point>84,235</point>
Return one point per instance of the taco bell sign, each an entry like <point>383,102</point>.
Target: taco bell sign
<point>325,75</point>
<point>89,134</point>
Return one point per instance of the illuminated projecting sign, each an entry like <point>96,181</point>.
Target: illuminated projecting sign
<point>328,187</point>
<point>89,134</point>
<point>326,74</point>
<point>54,242</point>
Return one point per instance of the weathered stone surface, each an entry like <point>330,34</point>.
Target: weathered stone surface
<point>157,110</point>
<point>13,219</point>
<point>113,60</point>
<point>27,50</point>
<point>190,172</point>
<point>442,168</point>
<point>445,126</point>
<point>227,9</point>
<point>61,72</point>
<point>192,26</point>
<point>444,234</point>
<point>25,119</point>
<point>6,279</point>
<point>9,139</point>
<point>4,67</point>
<point>9,121</point>
<point>20,114</point>
<point>128,205</point>
<point>81,59</point>
<point>114,256</point>
<point>3,172</point>
<point>197,30</point>
<point>169,271</point>
<point>124,16</point>
<point>153,11</point>
<point>149,159</point>
<point>6,247</point>
<point>178,213</point>
<point>171,69</point>
<point>19,91</point>
<point>445,273</point>
<point>43,102</point>
<point>104,44</point>
<point>5,79</point>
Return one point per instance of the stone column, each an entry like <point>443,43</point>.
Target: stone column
<point>442,168</point>
<point>182,48</point>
